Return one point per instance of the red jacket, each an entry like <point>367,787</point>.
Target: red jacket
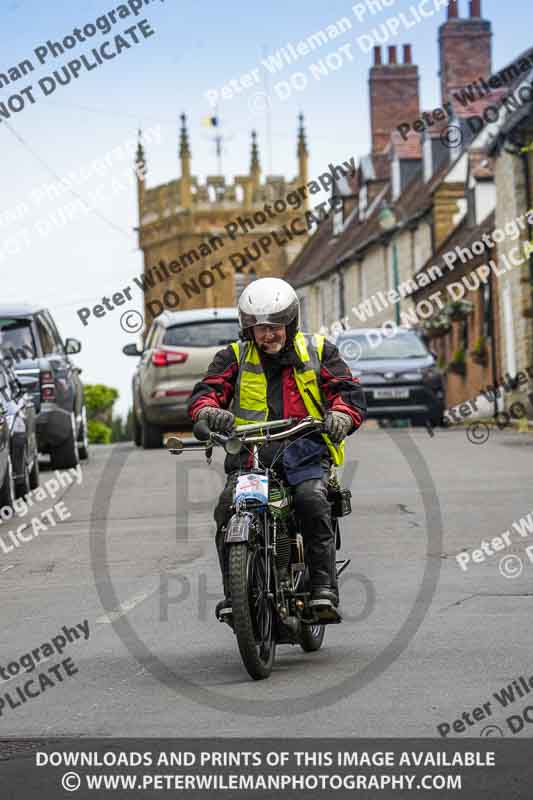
<point>340,390</point>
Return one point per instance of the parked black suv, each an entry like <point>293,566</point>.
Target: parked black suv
<point>42,364</point>
<point>18,408</point>
<point>398,374</point>
<point>7,482</point>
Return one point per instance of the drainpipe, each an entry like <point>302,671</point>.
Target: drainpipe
<point>342,304</point>
<point>493,357</point>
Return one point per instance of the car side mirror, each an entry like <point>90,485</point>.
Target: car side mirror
<point>72,346</point>
<point>131,350</point>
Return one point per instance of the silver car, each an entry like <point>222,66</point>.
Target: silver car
<point>178,349</point>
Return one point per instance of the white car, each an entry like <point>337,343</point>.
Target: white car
<point>179,347</point>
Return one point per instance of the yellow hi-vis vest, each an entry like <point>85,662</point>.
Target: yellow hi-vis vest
<point>250,399</point>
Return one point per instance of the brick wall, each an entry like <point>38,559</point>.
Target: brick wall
<point>394,95</point>
<point>465,49</point>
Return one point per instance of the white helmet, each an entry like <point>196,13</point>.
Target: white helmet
<point>269,300</point>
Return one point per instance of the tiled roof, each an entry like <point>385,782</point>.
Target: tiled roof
<point>311,257</point>
<point>463,235</point>
<point>323,252</point>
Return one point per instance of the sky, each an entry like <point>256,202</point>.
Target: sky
<point>65,255</point>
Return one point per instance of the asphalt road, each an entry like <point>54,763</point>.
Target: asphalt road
<point>423,641</point>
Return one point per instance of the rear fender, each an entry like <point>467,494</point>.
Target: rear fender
<point>239,529</point>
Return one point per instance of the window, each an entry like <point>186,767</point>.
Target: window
<point>45,335</point>
<point>202,334</point>
<point>58,344</point>
<point>17,338</point>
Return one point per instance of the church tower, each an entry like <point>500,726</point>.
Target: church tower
<point>202,241</point>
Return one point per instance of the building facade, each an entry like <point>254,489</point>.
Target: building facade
<point>423,194</point>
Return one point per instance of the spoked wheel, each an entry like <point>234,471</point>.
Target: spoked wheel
<point>311,637</point>
<point>252,609</point>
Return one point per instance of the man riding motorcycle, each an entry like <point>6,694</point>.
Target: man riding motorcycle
<point>278,372</point>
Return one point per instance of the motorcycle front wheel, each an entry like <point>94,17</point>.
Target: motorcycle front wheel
<point>311,637</point>
<point>253,612</point>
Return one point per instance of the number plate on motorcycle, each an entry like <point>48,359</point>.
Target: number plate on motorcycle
<point>252,487</point>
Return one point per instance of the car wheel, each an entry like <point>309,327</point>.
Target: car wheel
<point>83,438</point>
<point>7,490</point>
<point>151,436</point>
<point>137,433</point>
<point>34,473</point>
<point>23,486</point>
<point>66,455</point>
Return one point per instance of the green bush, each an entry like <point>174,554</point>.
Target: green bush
<point>99,398</point>
<point>99,432</point>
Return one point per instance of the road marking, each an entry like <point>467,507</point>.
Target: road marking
<point>123,608</point>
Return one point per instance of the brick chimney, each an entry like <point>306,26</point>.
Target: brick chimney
<point>394,95</point>
<point>465,49</point>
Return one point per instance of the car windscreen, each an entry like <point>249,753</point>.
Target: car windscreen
<point>362,347</point>
<point>17,338</point>
<point>202,334</point>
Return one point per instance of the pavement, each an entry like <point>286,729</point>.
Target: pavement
<point>424,643</point>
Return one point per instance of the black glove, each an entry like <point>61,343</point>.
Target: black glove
<point>218,419</point>
<point>337,426</point>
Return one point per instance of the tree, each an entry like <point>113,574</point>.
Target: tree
<point>99,401</point>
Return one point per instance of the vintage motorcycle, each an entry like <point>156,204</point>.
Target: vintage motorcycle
<point>268,577</point>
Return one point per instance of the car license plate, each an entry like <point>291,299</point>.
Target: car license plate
<point>391,394</point>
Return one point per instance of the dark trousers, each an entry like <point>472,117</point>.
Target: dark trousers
<point>314,514</point>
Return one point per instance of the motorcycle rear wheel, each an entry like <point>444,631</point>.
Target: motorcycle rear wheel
<point>253,615</point>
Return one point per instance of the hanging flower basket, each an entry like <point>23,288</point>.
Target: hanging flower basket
<point>458,363</point>
<point>482,359</point>
<point>457,368</point>
<point>440,330</point>
<point>479,353</point>
<point>437,327</point>
<point>527,313</point>
<point>459,309</point>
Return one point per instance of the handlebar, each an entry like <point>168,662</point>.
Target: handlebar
<point>243,434</point>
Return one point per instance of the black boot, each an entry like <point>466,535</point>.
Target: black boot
<point>323,570</point>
